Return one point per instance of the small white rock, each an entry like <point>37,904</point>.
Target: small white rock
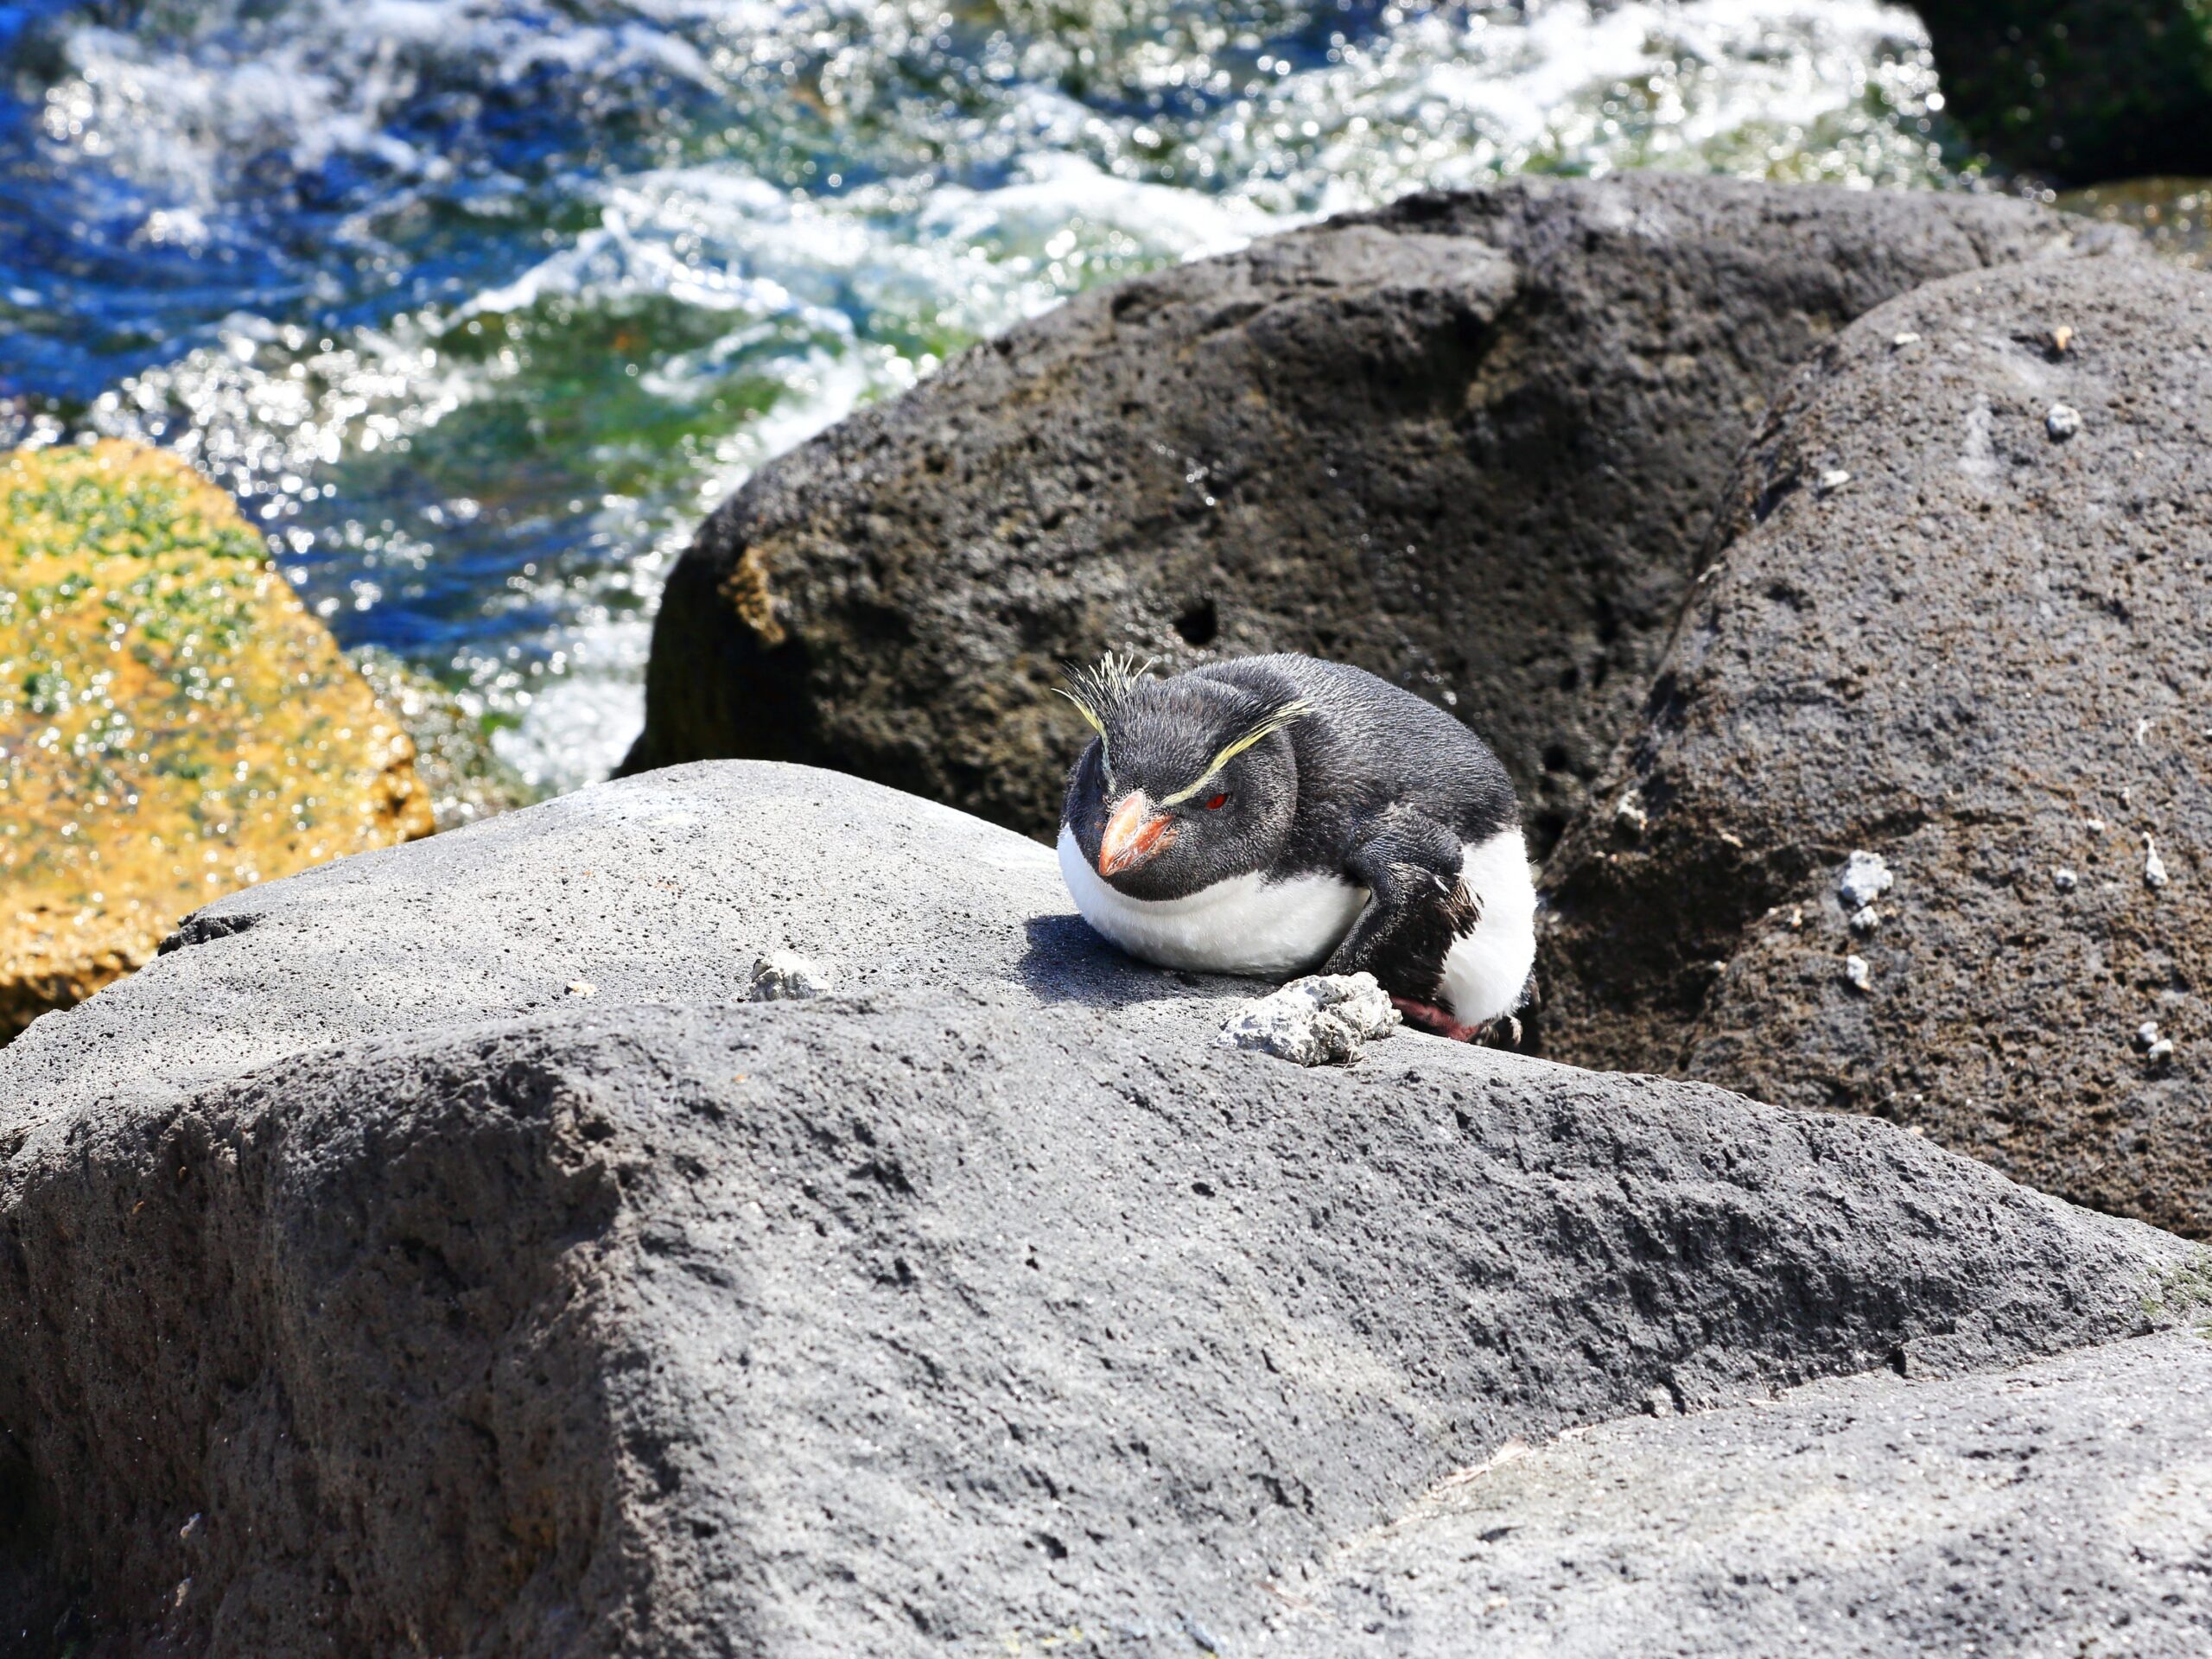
<point>786,976</point>
<point>1855,970</point>
<point>1866,919</point>
<point>2062,422</point>
<point>2154,867</point>
<point>2064,881</point>
<point>2146,1034</point>
<point>1866,878</point>
<point>1630,815</point>
<point>1832,480</point>
<point>1907,337</point>
<point>1321,1020</point>
<point>583,987</point>
<point>2161,1051</point>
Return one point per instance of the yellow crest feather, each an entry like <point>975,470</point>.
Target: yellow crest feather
<point>1095,690</point>
<point>1267,726</point>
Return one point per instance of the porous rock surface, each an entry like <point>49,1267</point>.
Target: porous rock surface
<point>367,1287</point>
<point>1471,442</point>
<point>1987,660</point>
<point>1857,1518</point>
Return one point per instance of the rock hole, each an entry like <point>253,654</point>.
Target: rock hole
<point>1198,623</point>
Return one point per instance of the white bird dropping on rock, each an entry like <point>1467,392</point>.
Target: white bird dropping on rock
<point>1321,1020</point>
<point>1860,976</point>
<point>2062,422</point>
<point>1866,919</point>
<point>1866,878</point>
<point>784,977</point>
<point>2154,867</point>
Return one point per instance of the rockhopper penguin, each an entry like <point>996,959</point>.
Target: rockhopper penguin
<point>1278,815</point>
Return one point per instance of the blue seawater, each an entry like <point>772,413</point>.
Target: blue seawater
<point>479,305</point>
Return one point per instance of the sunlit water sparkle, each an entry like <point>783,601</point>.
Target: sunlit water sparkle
<point>478,306</point>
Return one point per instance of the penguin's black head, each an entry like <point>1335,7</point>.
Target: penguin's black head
<point>1188,782</point>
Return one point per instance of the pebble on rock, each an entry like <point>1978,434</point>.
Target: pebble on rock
<point>1832,480</point>
<point>1866,878</point>
<point>2065,880</point>
<point>2062,422</point>
<point>1322,1020</point>
<point>2154,867</point>
<point>785,976</point>
<point>1866,919</point>
<point>1855,970</point>
<point>1630,815</point>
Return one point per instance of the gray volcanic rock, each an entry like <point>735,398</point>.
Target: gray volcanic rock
<point>1986,658</point>
<point>433,1252</point>
<point>1471,442</point>
<point>1863,1518</point>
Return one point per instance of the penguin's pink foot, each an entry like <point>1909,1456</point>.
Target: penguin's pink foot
<point>1430,1018</point>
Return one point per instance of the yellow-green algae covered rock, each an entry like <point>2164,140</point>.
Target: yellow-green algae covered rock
<point>174,725</point>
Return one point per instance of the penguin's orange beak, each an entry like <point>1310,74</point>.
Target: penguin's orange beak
<point>1134,834</point>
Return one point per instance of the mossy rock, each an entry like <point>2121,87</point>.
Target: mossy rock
<point>2080,90</point>
<point>174,725</point>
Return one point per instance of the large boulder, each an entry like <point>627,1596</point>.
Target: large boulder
<point>1471,442</point>
<point>1858,1518</point>
<point>173,722</point>
<point>1958,621</point>
<point>2079,90</point>
<point>429,1253</point>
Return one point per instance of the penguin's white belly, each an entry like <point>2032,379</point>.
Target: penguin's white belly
<point>1485,972</point>
<point>1243,925</point>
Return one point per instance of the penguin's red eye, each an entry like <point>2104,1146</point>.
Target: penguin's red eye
<point>1216,804</point>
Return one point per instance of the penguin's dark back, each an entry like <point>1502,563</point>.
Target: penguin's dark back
<point>1369,746</point>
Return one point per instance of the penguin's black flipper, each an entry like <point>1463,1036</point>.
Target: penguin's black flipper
<point>1418,908</point>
